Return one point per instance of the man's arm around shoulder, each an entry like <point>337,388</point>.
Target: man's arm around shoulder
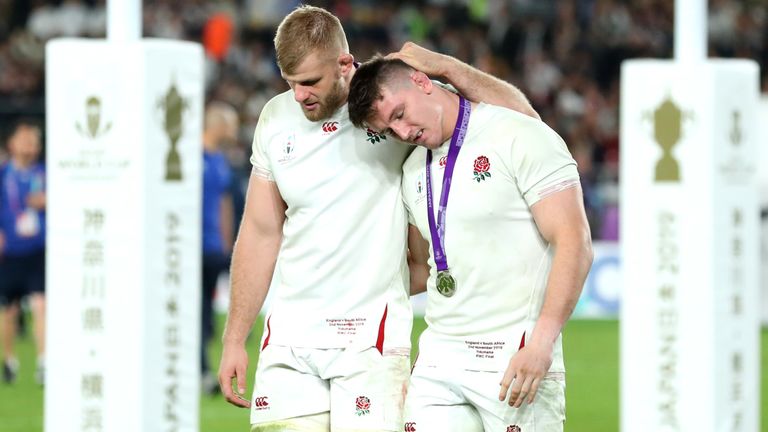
<point>471,82</point>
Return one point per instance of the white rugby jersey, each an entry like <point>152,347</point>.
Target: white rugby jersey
<point>341,278</point>
<point>495,253</point>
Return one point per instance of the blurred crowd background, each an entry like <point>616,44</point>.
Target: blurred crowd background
<point>564,54</point>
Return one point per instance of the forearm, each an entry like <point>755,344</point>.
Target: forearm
<point>479,86</point>
<point>418,260</point>
<point>419,276</point>
<point>253,263</point>
<point>570,266</point>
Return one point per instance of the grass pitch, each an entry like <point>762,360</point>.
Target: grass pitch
<point>591,356</point>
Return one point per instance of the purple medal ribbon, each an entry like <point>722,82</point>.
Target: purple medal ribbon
<point>437,230</point>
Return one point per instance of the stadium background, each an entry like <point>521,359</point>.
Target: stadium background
<point>565,55</point>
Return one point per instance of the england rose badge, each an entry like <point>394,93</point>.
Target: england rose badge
<point>482,167</point>
<point>363,405</point>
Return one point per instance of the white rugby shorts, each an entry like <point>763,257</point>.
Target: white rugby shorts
<point>454,400</point>
<point>362,389</point>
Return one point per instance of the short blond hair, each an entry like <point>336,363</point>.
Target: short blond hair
<point>307,29</point>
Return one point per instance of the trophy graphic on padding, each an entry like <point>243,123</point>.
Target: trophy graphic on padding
<point>736,134</point>
<point>667,130</point>
<point>174,105</point>
<point>92,128</point>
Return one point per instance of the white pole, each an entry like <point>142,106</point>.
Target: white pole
<point>123,20</point>
<point>690,30</point>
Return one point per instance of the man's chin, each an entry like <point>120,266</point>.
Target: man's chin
<point>316,114</point>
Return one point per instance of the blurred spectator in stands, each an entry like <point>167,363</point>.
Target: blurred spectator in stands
<point>567,52</point>
<point>22,243</point>
<point>221,125</point>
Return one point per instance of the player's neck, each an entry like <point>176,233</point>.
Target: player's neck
<point>450,104</point>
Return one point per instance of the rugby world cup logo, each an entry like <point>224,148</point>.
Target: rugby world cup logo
<point>668,119</point>
<point>288,149</point>
<point>93,127</point>
<point>420,186</point>
<point>173,106</point>
<point>736,134</point>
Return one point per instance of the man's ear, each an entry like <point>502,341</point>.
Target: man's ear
<point>422,81</point>
<point>346,63</point>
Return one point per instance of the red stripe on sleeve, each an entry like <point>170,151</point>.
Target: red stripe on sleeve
<point>522,342</point>
<point>269,333</point>
<point>380,340</point>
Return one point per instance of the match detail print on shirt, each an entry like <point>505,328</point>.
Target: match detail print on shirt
<point>346,326</point>
<point>485,349</point>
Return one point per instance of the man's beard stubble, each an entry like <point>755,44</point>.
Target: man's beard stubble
<point>328,105</point>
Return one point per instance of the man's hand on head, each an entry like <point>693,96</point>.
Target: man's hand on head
<point>431,63</point>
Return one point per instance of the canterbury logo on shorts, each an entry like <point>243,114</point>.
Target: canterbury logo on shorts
<point>261,402</point>
<point>410,427</point>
